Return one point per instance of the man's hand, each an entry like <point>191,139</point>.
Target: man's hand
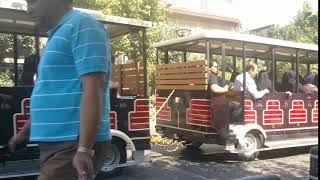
<point>288,93</point>
<point>82,162</point>
<point>231,87</point>
<point>21,138</point>
<point>15,141</point>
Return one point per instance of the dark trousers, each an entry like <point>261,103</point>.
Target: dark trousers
<point>224,112</point>
<point>235,110</point>
<point>56,159</point>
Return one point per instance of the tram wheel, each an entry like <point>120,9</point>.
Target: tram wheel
<point>117,155</point>
<point>250,148</point>
<point>194,144</point>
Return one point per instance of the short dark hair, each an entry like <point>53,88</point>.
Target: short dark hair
<point>251,66</point>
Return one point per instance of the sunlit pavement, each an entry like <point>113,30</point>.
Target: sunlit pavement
<point>184,164</point>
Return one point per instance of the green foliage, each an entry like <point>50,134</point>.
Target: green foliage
<point>5,80</point>
<point>26,46</point>
<point>131,45</point>
<point>303,28</point>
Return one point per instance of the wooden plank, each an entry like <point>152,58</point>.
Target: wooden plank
<point>115,80</point>
<point>187,81</point>
<point>130,86</point>
<point>116,66</point>
<point>130,83</point>
<point>182,87</point>
<point>129,66</point>
<point>183,76</point>
<point>129,72</point>
<point>182,70</point>
<point>186,64</point>
<point>129,78</point>
<point>115,76</point>
<point>129,91</point>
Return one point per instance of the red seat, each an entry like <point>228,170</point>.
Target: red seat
<point>139,118</point>
<point>297,113</point>
<point>113,120</point>
<point>19,120</point>
<point>199,113</point>
<point>165,113</point>
<point>250,115</point>
<point>315,112</point>
<point>25,106</point>
<point>272,114</point>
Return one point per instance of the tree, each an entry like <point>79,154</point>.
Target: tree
<point>303,28</point>
<point>147,10</point>
<point>25,46</point>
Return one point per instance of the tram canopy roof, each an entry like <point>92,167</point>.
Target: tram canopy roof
<point>256,46</point>
<point>17,21</point>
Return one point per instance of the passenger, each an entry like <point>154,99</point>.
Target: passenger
<point>233,76</point>
<point>219,102</point>
<point>251,86</point>
<point>215,82</point>
<point>223,110</point>
<point>29,70</point>
<point>263,80</point>
<point>309,86</point>
<point>289,82</point>
<point>315,80</point>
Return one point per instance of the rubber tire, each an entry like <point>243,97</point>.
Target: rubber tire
<point>120,147</point>
<point>194,145</point>
<point>253,156</point>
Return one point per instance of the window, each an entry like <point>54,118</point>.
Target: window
<point>6,65</point>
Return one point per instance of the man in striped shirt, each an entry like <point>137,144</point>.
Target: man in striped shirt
<point>70,101</point>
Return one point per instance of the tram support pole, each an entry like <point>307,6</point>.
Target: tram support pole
<point>244,74</point>
<point>297,70</point>
<point>234,65</point>
<point>157,56</point>
<point>223,63</point>
<point>15,59</point>
<point>184,56</point>
<point>166,57</point>
<point>208,54</point>
<point>308,69</point>
<point>145,63</point>
<point>273,68</point>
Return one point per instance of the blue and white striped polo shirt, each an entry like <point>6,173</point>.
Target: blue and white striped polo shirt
<point>77,46</point>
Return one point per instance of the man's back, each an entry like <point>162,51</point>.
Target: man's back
<point>250,86</point>
<point>77,46</point>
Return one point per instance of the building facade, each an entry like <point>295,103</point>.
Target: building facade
<point>203,15</point>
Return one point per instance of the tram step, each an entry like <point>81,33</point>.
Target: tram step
<point>23,168</point>
<point>107,168</point>
<point>294,142</point>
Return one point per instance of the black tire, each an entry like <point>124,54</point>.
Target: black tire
<point>252,144</point>
<point>116,155</point>
<point>194,145</point>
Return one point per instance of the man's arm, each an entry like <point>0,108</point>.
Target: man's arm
<point>218,89</point>
<point>252,88</point>
<point>91,107</point>
<point>20,138</point>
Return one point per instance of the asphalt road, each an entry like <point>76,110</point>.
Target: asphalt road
<point>291,164</point>
<point>182,164</point>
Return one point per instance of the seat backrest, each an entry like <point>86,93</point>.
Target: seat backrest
<point>233,76</point>
<point>263,81</point>
<point>289,82</point>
